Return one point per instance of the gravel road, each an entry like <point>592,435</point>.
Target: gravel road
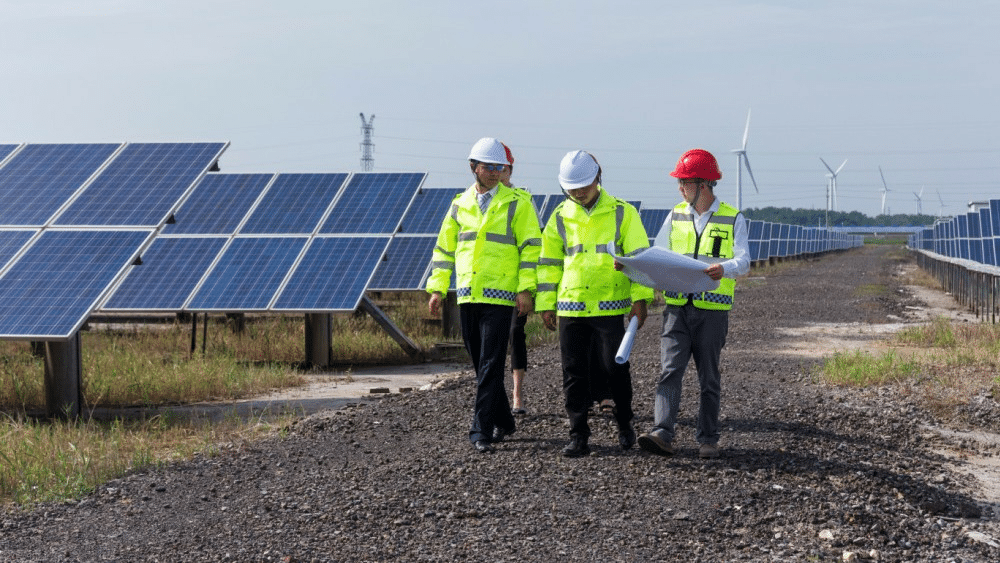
<point>808,472</point>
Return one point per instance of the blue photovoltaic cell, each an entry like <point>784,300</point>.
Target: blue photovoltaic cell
<point>427,211</point>
<point>550,206</point>
<point>372,203</point>
<point>405,265</point>
<point>52,288</point>
<point>652,220</point>
<point>170,270</point>
<point>11,242</point>
<point>248,274</point>
<point>538,200</point>
<point>142,184</point>
<point>6,150</point>
<point>218,204</point>
<point>333,274</point>
<point>295,203</point>
<point>41,178</point>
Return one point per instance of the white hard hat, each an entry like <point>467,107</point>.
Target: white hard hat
<point>578,169</point>
<point>488,150</point>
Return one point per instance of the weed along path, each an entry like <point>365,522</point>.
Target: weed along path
<point>810,471</point>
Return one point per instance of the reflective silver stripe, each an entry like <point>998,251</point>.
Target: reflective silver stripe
<point>722,219</point>
<point>453,212</point>
<point>531,242</point>
<point>602,248</point>
<point>443,265</point>
<point>445,252</point>
<point>619,219</point>
<point>561,227</point>
<point>511,209</point>
<point>547,287</point>
<point>683,216</point>
<point>502,239</point>
<point>574,249</point>
<point>549,262</point>
<point>467,236</point>
<point>528,265</point>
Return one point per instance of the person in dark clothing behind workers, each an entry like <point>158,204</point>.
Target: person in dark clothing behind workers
<point>714,232</point>
<point>491,239</point>
<point>518,339</point>
<point>579,287</point>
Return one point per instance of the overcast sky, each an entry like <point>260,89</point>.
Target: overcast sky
<point>908,85</point>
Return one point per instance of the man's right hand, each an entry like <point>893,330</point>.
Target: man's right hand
<point>434,305</point>
<point>549,318</point>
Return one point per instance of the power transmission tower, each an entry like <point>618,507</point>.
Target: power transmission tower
<point>367,161</point>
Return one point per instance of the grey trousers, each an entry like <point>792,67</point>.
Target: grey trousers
<point>689,331</point>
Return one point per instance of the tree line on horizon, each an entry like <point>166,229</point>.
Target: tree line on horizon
<point>819,217</point>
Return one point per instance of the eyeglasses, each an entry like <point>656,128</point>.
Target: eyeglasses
<point>684,182</point>
<point>493,167</point>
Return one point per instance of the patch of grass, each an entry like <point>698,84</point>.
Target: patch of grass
<point>871,290</point>
<point>861,368</point>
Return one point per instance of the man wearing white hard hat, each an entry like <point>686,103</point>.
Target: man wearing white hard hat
<point>580,290</point>
<point>490,239</point>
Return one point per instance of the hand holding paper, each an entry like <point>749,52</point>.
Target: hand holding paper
<point>663,269</point>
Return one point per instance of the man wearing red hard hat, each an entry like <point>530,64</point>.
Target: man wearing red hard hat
<point>696,324</point>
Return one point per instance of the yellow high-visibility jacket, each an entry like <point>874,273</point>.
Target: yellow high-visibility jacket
<point>714,244</point>
<point>494,256</point>
<point>576,275</point>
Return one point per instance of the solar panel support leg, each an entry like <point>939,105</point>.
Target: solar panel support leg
<point>411,348</point>
<point>62,378</point>
<point>319,334</point>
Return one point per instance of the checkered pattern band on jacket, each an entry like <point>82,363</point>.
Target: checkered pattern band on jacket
<point>571,306</point>
<point>464,292</point>
<point>703,296</point>
<point>490,293</point>
<point>612,305</point>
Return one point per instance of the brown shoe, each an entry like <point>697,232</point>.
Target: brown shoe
<point>655,445</point>
<point>708,451</point>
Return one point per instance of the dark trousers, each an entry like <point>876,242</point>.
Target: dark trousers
<point>518,346</point>
<point>588,346</point>
<point>485,330</point>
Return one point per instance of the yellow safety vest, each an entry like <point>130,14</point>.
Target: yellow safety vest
<point>576,275</point>
<point>715,244</point>
<point>494,255</point>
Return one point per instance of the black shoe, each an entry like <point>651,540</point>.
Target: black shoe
<point>499,434</point>
<point>626,436</point>
<point>483,447</point>
<point>577,448</point>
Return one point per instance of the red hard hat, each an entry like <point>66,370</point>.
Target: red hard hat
<point>697,163</point>
<point>510,157</point>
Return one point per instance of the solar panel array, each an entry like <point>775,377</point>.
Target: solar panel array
<point>73,217</point>
<point>260,242</point>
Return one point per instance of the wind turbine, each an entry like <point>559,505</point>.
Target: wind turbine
<point>833,180</point>
<point>941,210</point>
<point>885,188</point>
<point>920,200</point>
<point>741,161</point>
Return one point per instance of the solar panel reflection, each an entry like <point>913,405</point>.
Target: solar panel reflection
<point>218,204</point>
<point>333,274</point>
<point>41,178</point>
<point>372,203</point>
<point>170,270</point>
<point>294,204</point>
<point>142,184</point>
<point>248,274</point>
<point>52,288</point>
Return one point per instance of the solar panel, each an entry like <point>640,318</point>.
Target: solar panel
<point>41,178</point>
<point>652,220</point>
<point>333,274</point>
<point>49,292</point>
<point>5,151</point>
<point>405,266</point>
<point>11,242</point>
<point>249,273</point>
<point>294,204</point>
<point>550,206</point>
<point>428,209</point>
<point>171,269</point>
<point>538,200</point>
<point>218,204</point>
<point>372,203</point>
<point>142,184</point>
